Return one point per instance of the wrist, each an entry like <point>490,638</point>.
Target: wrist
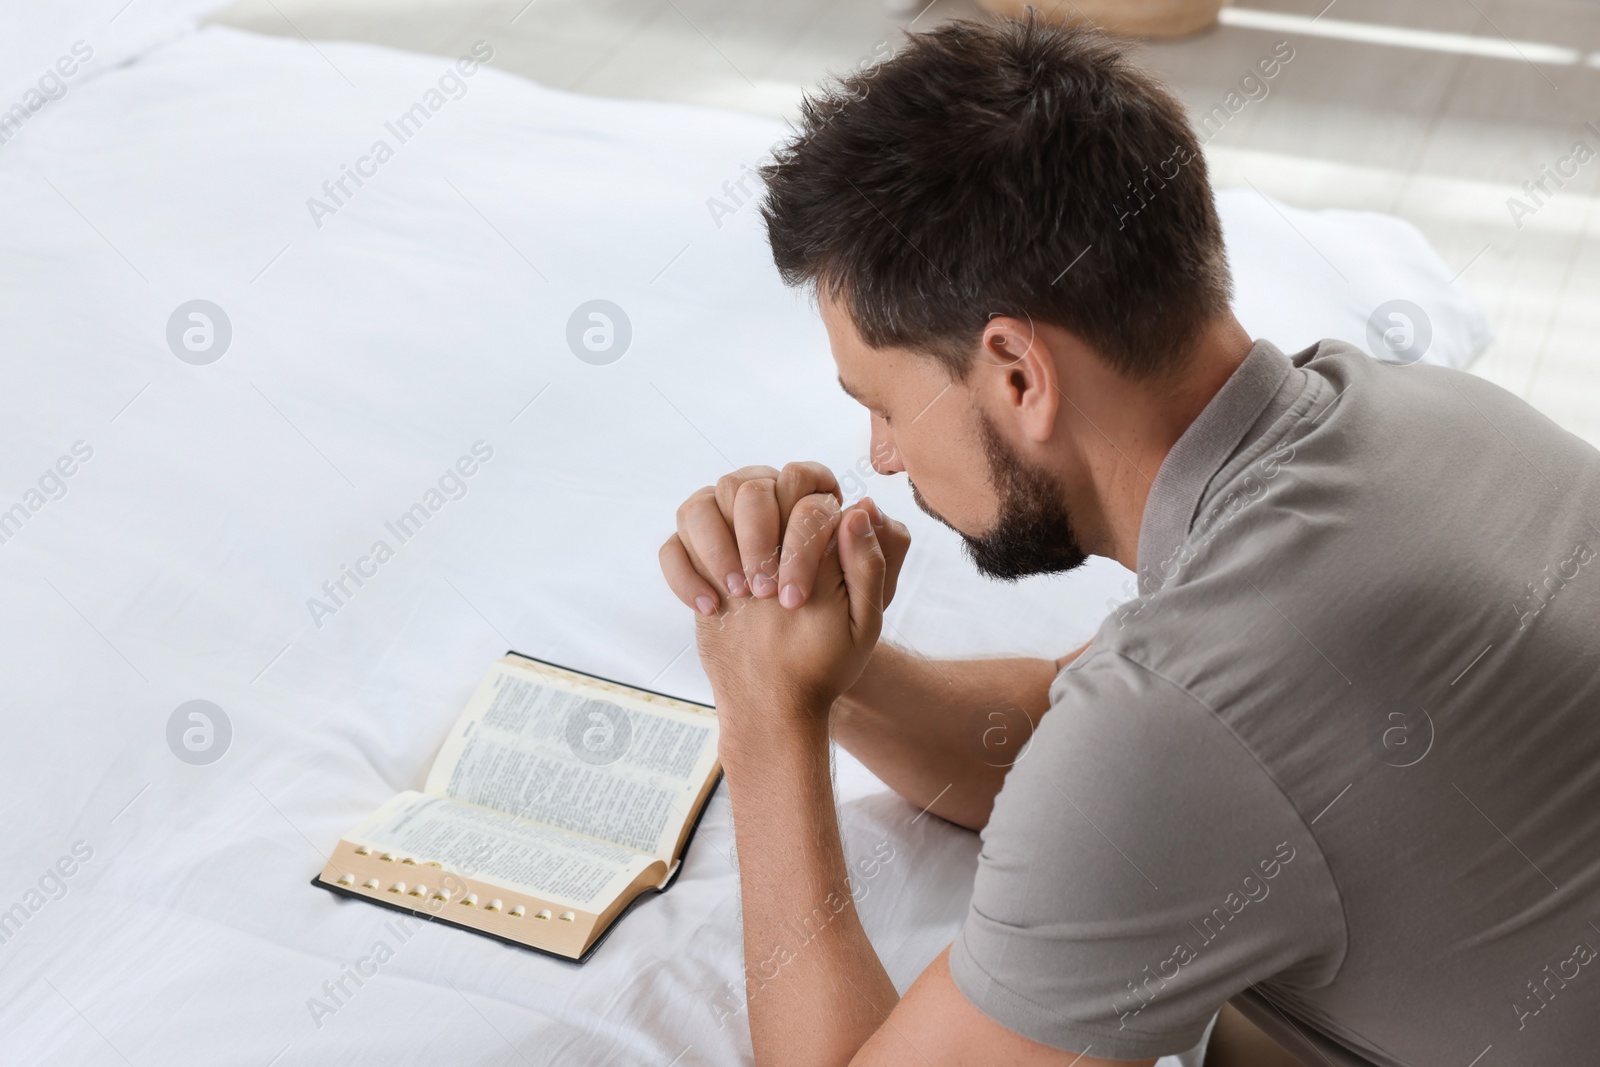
<point>882,667</point>
<point>753,736</point>
<point>873,688</point>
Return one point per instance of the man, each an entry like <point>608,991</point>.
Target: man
<point>1337,766</point>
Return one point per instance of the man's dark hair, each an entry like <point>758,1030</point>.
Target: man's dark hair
<point>1003,168</point>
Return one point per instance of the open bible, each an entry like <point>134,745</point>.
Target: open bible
<point>557,800</point>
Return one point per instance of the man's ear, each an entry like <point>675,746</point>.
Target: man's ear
<point>1020,376</point>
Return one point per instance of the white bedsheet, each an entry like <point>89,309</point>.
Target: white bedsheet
<point>367,354</point>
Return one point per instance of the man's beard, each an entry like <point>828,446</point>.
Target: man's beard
<point>1033,534</point>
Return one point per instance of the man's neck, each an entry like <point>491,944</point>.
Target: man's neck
<point>1165,409</point>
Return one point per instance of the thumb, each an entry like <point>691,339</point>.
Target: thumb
<point>862,560</point>
<point>895,540</point>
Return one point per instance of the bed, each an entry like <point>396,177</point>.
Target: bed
<point>221,480</point>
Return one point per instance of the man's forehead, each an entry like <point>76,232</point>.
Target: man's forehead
<point>851,355</point>
<point>836,319</point>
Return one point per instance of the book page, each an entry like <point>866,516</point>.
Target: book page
<point>560,867</point>
<point>581,758</point>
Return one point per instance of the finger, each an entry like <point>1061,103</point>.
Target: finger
<point>728,486</point>
<point>811,526</point>
<point>755,527</point>
<point>705,534</point>
<point>862,560</point>
<point>799,480</point>
<point>686,582</point>
<point>895,541</point>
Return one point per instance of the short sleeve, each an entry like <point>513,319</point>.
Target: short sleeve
<point>1139,869</point>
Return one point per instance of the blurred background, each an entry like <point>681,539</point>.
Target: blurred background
<point>1437,111</point>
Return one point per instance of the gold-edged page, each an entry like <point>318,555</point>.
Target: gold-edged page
<point>592,758</point>
<point>488,846</point>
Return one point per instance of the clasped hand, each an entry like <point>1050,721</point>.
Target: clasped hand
<point>789,590</point>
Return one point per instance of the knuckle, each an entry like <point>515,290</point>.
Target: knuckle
<point>695,500</point>
<point>801,472</point>
<point>827,481</point>
<point>756,487</point>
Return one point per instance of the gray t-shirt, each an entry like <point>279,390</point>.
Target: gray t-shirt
<point>1339,763</point>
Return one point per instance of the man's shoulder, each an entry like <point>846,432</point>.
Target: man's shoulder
<point>1352,496</point>
<point>1128,693</point>
<point>1132,785</point>
<point>1109,670</point>
<point>1417,401</point>
<point>1118,724</point>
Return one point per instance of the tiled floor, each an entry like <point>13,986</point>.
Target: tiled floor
<point>1441,128</point>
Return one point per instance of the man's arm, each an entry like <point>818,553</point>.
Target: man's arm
<point>817,994</point>
<point>943,733</point>
<point>935,1024</point>
<point>816,991</point>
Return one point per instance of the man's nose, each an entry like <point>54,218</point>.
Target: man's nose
<point>885,456</point>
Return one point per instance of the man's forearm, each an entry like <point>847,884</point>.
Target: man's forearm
<point>944,732</point>
<point>814,987</point>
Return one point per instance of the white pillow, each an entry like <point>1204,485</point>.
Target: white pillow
<point>1300,276</point>
<point>49,48</point>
